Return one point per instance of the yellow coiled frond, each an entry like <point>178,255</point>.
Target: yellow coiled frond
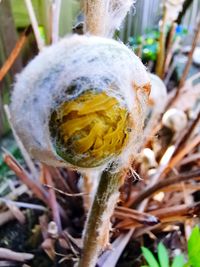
<point>90,129</point>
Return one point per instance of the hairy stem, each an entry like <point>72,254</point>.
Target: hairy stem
<point>94,11</point>
<point>96,236</point>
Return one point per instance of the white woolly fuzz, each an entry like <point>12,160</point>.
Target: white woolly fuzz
<point>117,10</point>
<point>109,17</point>
<point>45,82</point>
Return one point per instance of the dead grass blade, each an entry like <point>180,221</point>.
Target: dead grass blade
<point>140,217</point>
<point>164,183</point>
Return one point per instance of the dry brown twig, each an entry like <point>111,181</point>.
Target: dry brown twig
<point>174,214</point>
<point>24,177</point>
<point>191,158</point>
<point>52,198</point>
<point>60,180</point>
<point>64,193</point>
<point>140,217</point>
<point>34,186</point>
<point>164,183</point>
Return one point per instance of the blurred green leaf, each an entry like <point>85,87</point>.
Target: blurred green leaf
<point>178,261</point>
<point>149,257</point>
<point>163,255</point>
<point>194,247</point>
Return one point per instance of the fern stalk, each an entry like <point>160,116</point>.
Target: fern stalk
<point>96,236</point>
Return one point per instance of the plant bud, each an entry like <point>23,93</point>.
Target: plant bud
<point>175,119</point>
<point>81,103</point>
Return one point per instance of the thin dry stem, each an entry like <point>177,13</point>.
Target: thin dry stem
<point>140,217</point>
<point>161,54</point>
<point>52,199</point>
<point>64,193</point>
<point>56,5</point>
<point>34,23</point>
<point>24,177</point>
<point>166,215</point>
<point>164,183</point>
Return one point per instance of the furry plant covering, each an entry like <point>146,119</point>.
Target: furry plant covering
<point>103,17</point>
<point>81,103</point>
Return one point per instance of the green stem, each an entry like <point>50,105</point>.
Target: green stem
<point>96,234</point>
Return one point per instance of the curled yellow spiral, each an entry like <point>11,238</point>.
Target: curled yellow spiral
<point>90,129</point>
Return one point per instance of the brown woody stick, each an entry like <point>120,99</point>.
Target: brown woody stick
<point>141,217</point>
<point>21,173</point>
<point>164,183</point>
<point>52,198</point>
<point>165,215</point>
